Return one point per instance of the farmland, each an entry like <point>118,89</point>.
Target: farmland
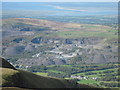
<point>99,75</point>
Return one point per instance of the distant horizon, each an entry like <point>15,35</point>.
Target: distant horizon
<point>60,1</point>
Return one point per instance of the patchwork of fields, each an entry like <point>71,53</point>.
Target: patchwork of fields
<point>95,74</point>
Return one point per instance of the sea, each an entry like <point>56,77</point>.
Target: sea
<point>15,9</point>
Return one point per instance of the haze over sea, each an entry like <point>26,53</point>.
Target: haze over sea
<point>59,9</point>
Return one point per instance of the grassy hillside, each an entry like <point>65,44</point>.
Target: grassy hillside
<point>22,79</point>
<point>60,30</point>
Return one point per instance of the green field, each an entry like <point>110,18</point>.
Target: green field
<point>77,34</point>
<point>88,82</point>
<point>41,74</point>
<point>54,71</point>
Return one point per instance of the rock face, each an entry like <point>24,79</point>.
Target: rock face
<point>26,80</point>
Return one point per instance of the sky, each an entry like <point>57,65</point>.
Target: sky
<point>60,0</point>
